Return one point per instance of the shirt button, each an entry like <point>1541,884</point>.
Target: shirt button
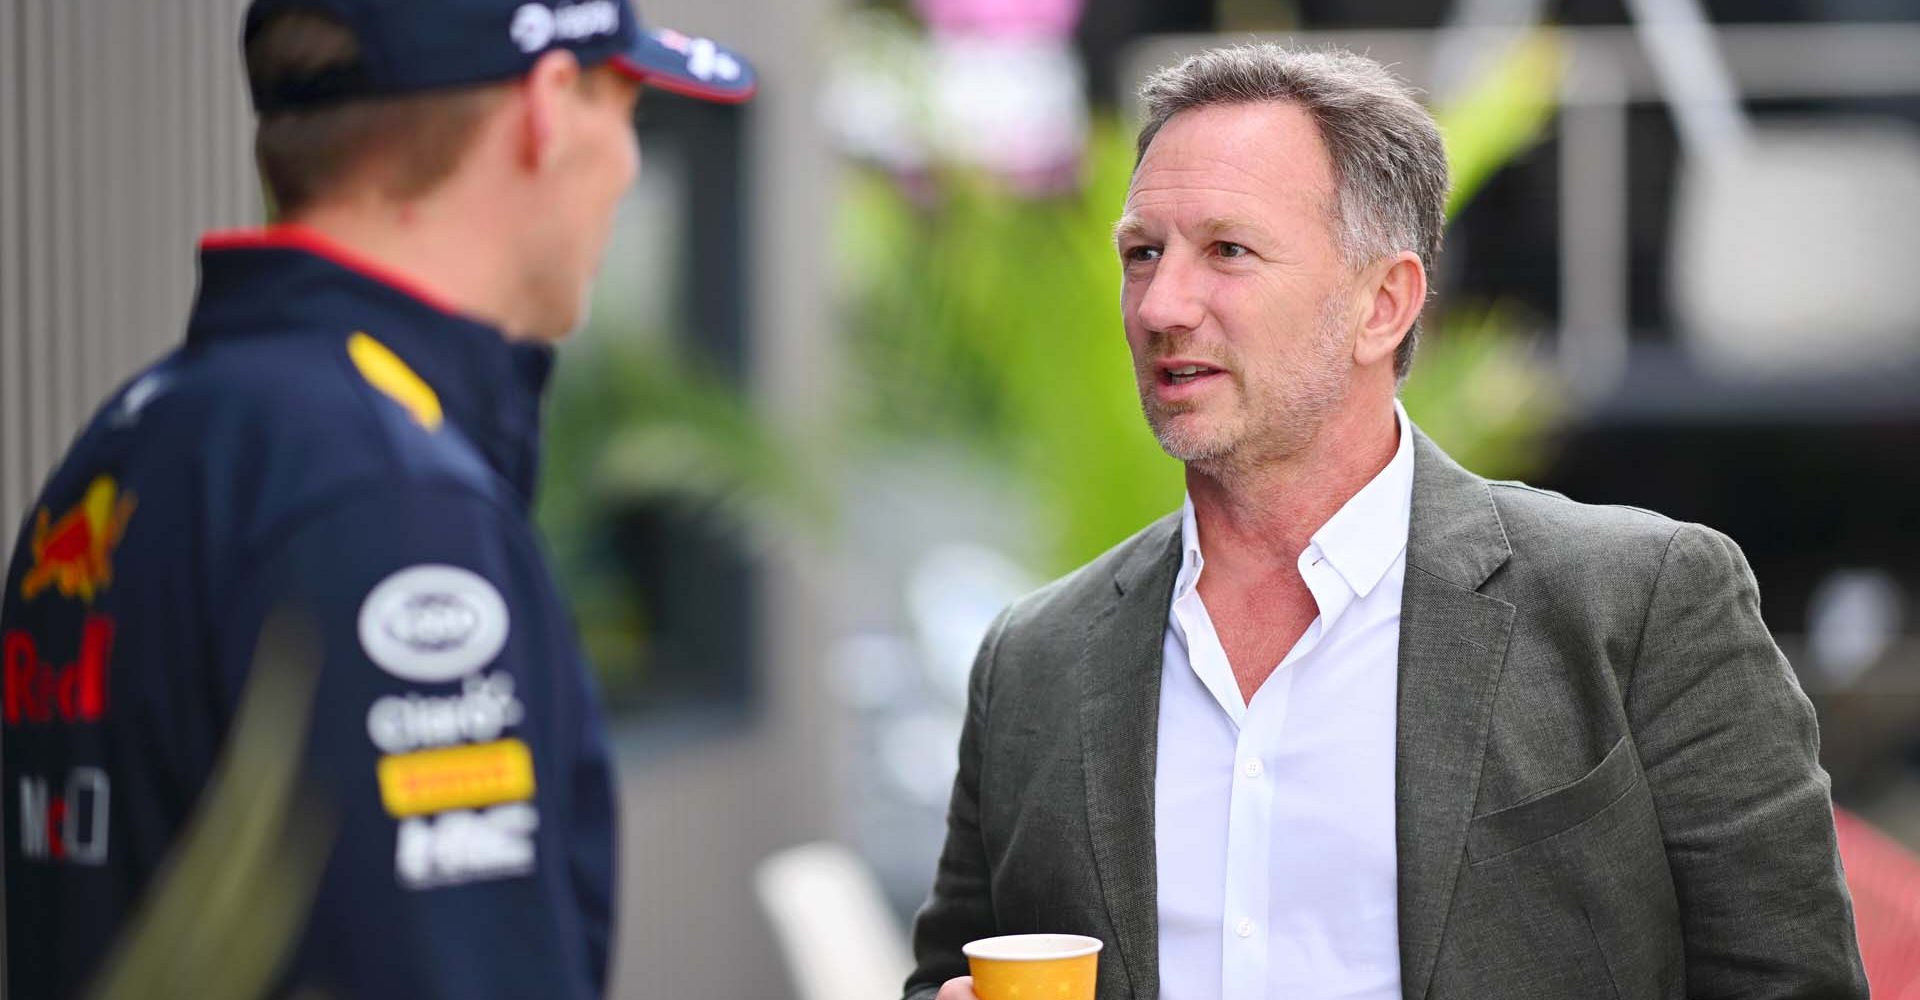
<point>1254,768</point>
<point>1244,928</point>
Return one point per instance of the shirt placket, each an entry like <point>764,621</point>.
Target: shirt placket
<point>1245,935</point>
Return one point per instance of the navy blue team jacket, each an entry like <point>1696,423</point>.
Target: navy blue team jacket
<point>327,440</point>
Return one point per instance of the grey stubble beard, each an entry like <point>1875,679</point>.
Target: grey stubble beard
<point>1274,424</point>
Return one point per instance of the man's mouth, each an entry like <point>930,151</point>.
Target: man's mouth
<point>1185,373</point>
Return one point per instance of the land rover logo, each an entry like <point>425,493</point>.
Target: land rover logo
<point>433,623</point>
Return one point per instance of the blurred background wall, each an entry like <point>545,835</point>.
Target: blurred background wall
<point>124,133</point>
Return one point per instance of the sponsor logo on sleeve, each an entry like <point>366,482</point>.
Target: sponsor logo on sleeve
<point>431,624</point>
<point>69,827</point>
<point>466,846</point>
<point>41,693</point>
<point>467,777</point>
<point>73,553</point>
<point>482,712</point>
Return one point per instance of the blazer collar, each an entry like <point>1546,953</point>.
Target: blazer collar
<point>1453,646</point>
<point>1119,683</point>
<point>1456,532</point>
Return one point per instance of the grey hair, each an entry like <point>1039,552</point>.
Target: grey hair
<point>1389,164</point>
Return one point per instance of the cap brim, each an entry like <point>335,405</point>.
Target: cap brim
<point>693,67</point>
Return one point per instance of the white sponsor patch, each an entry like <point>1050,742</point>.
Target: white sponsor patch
<point>536,26</point>
<point>482,712</point>
<point>431,624</point>
<point>70,827</point>
<point>466,846</point>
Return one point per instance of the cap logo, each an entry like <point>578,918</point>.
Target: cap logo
<point>705,60</point>
<point>536,26</point>
<point>532,27</point>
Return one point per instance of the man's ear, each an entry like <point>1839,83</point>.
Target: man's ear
<point>547,93</point>
<point>1396,291</point>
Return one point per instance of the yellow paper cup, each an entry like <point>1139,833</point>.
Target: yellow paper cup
<point>1034,966</point>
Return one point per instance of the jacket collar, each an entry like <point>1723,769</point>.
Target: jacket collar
<point>292,279</point>
<point>1455,532</point>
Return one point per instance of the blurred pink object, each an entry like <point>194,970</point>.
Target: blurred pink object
<point>1002,18</point>
<point>1884,878</point>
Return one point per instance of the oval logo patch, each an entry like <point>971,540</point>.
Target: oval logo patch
<point>433,623</point>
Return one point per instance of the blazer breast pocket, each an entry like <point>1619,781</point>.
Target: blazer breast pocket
<point>1555,811</point>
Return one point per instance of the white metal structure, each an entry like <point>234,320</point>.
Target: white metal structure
<point>832,924</point>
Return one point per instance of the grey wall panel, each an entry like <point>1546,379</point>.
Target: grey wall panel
<point>63,315</point>
<point>12,414</point>
<point>124,133</point>
<point>37,196</point>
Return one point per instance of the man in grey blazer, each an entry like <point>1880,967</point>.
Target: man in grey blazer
<point>1356,722</point>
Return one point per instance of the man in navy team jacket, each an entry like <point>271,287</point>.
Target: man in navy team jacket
<point>350,432</point>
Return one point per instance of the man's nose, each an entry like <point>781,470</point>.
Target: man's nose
<point>1174,297</point>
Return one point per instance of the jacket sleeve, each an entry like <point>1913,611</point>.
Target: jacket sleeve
<point>960,908</point>
<point>1730,749</point>
<point>453,743</point>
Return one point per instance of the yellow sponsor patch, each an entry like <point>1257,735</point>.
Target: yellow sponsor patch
<point>470,777</point>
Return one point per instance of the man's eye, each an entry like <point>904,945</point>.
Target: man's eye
<point>1140,255</point>
<point>1233,250</point>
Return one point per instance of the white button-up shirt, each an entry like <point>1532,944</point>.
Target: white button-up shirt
<point>1274,818</point>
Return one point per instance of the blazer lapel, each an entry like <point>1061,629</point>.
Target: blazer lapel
<point>1453,642</point>
<point>1119,718</point>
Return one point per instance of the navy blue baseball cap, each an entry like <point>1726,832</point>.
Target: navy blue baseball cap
<point>414,45</point>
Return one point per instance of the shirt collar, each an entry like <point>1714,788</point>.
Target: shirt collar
<point>292,279</point>
<point>1364,537</point>
<point>1191,561</point>
<point>1361,540</point>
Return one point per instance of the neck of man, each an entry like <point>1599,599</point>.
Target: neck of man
<point>1255,521</point>
<point>448,250</point>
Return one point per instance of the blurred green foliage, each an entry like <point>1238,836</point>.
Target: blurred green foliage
<point>638,423</point>
<point>1502,113</point>
<point>991,320</point>
<point>1479,391</point>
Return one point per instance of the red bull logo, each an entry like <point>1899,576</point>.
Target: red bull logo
<point>74,553</point>
<point>42,692</point>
